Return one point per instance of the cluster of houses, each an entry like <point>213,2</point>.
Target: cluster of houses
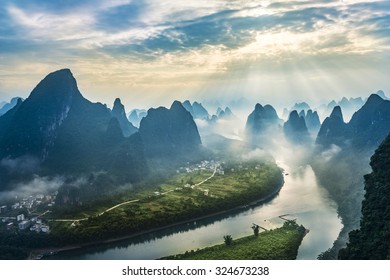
<point>205,165</point>
<point>34,201</point>
<point>202,166</point>
<point>21,222</point>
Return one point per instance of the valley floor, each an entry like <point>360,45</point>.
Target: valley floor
<point>188,196</point>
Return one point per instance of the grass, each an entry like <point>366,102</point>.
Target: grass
<point>259,176</point>
<point>278,244</point>
<point>220,187</point>
<point>241,184</point>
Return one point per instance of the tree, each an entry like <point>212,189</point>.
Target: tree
<point>256,229</point>
<point>190,181</point>
<point>228,239</point>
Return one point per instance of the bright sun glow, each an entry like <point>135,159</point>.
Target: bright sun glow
<point>153,51</point>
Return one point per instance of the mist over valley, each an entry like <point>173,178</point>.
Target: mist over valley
<point>194,130</point>
<point>80,166</point>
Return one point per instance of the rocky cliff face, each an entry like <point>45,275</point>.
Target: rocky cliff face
<point>312,121</point>
<point>200,112</point>
<point>118,111</point>
<point>5,107</point>
<point>295,128</point>
<point>169,132</point>
<point>34,126</point>
<point>261,120</point>
<point>226,114</point>
<point>187,105</point>
<point>366,129</point>
<point>371,124</point>
<point>333,129</point>
<point>371,241</point>
<point>62,133</point>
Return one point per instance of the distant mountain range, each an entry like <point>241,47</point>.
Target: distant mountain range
<point>136,116</point>
<point>196,110</point>
<point>312,120</point>
<point>366,129</point>
<point>340,161</point>
<point>348,105</point>
<point>118,111</point>
<point>56,131</point>
<point>5,107</point>
<point>238,104</point>
<point>225,114</point>
<point>169,132</point>
<point>333,129</point>
<point>295,128</point>
<point>262,120</point>
<point>263,124</point>
<point>300,106</point>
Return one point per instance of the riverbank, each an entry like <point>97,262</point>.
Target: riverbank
<point>278,244</point>
<point>300,197</point>
<point>54,250</point>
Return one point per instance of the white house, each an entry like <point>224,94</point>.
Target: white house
<point>20,217</point>
<point>24,225</point>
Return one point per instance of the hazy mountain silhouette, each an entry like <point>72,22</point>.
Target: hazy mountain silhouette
<point>312,121</point>
<point>5,107</point>
<point>261,120</point>
<point>366,129</point>
<point>136,116</point>
<point>371,124</point>
<point>169,132</point>
<point>295,128</point>
<point>333,129</point>
<point>118,111</point>
<point>371,241</point>
<point>61,132</point>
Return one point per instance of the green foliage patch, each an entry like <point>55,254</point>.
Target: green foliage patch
<point>278,244</point>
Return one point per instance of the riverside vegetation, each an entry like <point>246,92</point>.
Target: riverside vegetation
<point>278,244</point>
<point>241,184</point>
<point>168,203</point>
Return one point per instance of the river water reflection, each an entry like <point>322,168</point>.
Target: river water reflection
<point>301,197</point>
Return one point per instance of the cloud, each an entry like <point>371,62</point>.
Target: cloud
<point>38,185</point>
<point>178,46</point>
<point>202,124</point>
<point>80,24</point>
<point>328,154</point>
<point>255,154</point>
<point>21,165</point>
<point>149,27</point>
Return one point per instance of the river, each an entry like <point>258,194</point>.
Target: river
<point>301,197</point>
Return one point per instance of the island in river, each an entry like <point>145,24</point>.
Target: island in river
<point>278,244</point>
<point>209,189</point>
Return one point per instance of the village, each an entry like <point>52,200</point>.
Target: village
<point>203,165</point>
<point>25,213</point>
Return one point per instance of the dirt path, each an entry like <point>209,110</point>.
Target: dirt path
<point>119,205</point>
<point>130,201</point>
<point>205,180</point>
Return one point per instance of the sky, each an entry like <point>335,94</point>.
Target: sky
<point>151,52</point>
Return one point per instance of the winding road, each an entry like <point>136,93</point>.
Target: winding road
<point>130,201</point>
<point>205,180</point>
